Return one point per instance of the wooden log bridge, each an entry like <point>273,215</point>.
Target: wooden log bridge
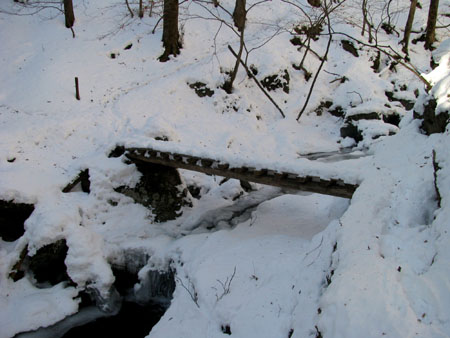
<point>333,187</point>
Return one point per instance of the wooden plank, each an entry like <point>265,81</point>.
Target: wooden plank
<point>334,187</point>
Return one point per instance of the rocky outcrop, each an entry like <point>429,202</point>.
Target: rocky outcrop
<point>12,218</point>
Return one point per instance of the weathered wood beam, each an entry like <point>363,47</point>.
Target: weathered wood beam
<point>333,187</point>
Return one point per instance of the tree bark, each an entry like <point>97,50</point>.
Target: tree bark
<point>239,15</point>
<point>408,27</point>
<point>68,13</point>
<point>171,35</point>
<point>228,85</point>
<point>141,9</point>
<point>431,24</point>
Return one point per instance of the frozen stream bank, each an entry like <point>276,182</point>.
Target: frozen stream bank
<point>226,253</point>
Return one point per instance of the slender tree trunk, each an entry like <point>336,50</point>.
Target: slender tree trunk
<point>141,9</point>
<point>431,23</point>
<point>228,85</point>
<point>129,8</point>
<point>171,35</point>
<point>364,17</point>
<point>366,21</point>
<point>408,27</point>
<point>68,13</point>
<point>239,15</point>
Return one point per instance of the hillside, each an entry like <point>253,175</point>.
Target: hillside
<point>238,259</point>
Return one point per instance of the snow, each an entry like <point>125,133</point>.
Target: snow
<point>265,263</point>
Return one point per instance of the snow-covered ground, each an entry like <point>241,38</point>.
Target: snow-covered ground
<point>291,265</point>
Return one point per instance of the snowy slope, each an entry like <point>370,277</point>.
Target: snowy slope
<point>292,265</point>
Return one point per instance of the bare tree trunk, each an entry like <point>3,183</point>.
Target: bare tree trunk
<point>129,9</point>
<point>141,9</point>
<point>366,21</point>
<point>171,35</point>
<point>228,85</point>
<point>152,3</point>
<point>364,17</point>
<point>68,13</point>
<point>408,27</point>
<point>239,15</point>
<point>431,23</point>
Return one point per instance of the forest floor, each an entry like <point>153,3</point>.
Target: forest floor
<point>250,263</point>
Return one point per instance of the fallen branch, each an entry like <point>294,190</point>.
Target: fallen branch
<point>249,72</point>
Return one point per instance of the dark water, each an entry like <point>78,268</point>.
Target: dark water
<point>132,321</point>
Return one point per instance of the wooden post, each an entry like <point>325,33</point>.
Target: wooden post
<point>77,89</point>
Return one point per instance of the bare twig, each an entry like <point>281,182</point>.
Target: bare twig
<point>310,252</point>
<point>362,101</point>
<point>226,286</point>
<point>192,293</point>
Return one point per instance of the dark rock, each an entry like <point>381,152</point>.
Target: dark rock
<point>201,89</point>
<point>194,191</point>
<point>226,329</point>
<point>350,130</point>
<point>47,265</point>
<point>296,41</point>
<point>12,218</point>
<point>160,189</point>
<point>348,46</point>
<point>273,82</point>
<point>433,123</point>
<point>128,46</point>
<point>162,138</point>
<point>338,111</point>
<point>377,63</point>
<point>314,3</point>
<point>407,104</point>
<point>393,118</point>
<point>322,106</point>
<point>311,32</point>
<point>246,185</point>
<point>363,116</point>
<point>18,272</point>
<point>388,28</point>
<point>117,152</point>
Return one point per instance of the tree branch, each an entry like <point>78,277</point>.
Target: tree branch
<point>324,58</point>
<point>256,81</point>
